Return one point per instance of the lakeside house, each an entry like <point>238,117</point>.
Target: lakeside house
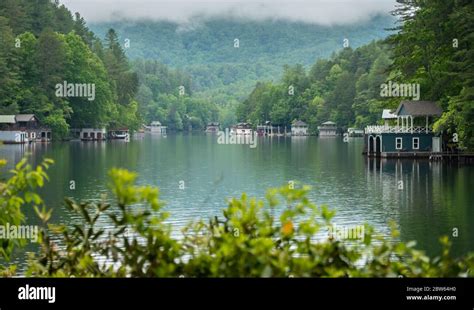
<point>9,131</point>
<point>8,122</point>
<point>299,128</point>
<point>241,129</point>
<point>269,129</point>
<point>89,134</point>
<point>93,134</point>
<point>33,128</point>
<point>327,129</point>
<point>212,127</point>
<point>354,132</point>
<point>119,134</point>
<point>279,130</point>
<point>22,128</point>
<point>408,137</point>
<point>156,128</point>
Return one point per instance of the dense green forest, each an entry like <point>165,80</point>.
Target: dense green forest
<point>166,95</point>
<point>217,72</point>
<point>219,78</point>
<point>189,79</point>
<point>344,89</point>
<point>433,47</point>
<point>43,45</point>
<point>224,70</point>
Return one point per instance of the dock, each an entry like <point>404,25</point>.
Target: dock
<point>460,157</point>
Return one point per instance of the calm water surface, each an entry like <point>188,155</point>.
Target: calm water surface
<point>435,197</point>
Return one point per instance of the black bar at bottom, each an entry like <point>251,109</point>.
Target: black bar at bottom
<point>25,293</point>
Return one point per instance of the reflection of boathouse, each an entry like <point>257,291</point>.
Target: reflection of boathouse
<point>409,137</point>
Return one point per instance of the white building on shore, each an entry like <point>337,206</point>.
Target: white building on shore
<point>299,128</point>
<point>327,129</point>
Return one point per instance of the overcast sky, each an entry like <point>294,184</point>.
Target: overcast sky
<point>324,12</point>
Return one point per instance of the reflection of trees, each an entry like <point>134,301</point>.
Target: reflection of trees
<point>428,199</point>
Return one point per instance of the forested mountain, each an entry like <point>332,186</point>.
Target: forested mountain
<point>187,75</point>
<point>43,45</point>
<point>212,40</point>
<point>225,70</point>
<point>166,95</point>
<point>432,47</point>
<point>344,89</point>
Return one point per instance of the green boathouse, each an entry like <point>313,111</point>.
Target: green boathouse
<point>407,131</point>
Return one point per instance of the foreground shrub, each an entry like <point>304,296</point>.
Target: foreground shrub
<point>253,239</point>
<point>16,193</point>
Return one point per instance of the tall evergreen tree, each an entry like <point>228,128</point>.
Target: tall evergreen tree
<point>9,70</point>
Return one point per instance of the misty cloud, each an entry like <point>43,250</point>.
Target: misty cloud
<point>322,12</point>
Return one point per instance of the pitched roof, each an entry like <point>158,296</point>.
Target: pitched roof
<point>388,114</point>
<point>299,123</point>
<point>24,117</point>
<point>418,108</point>
<point>244,124</point>
<point>7,119</point>
<point>329,123</point>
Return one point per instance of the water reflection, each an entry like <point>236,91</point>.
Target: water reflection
<point>425,199</point>
<point>431,199</point>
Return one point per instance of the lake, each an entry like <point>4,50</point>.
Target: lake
<point>433,199</point>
